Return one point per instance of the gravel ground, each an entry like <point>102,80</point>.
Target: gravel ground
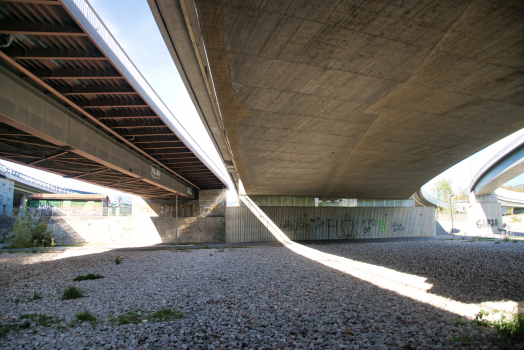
<point>266,297</point>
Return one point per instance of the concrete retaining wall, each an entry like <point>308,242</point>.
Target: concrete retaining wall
<point>460,224</point>
<point>131,230</point>
<point>304,223</point>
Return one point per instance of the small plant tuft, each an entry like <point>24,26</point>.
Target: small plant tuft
<point>85,316</point>
<point>40,319</point>
<point>90,276</point>
<point>25,325</point>
<point>130,317</point>
<point>166,314</point>
<point>465,338</point>
<point>71,292</point>
<point>118,260</point>
<point>506,239</point>
<point>36,296</point>
<point>509,326</point>
<point>7,328</point>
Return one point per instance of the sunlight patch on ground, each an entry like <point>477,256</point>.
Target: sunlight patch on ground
<point>410,286</point>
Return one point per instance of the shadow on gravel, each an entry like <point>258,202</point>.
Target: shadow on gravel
<point>465,271</point>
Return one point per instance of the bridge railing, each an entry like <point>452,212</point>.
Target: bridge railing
<point>432,199</point>
<point>497,157</point>
<point>89,13</point>
<point>14,173</point>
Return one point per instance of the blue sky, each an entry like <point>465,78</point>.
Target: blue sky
<point>133,25</point>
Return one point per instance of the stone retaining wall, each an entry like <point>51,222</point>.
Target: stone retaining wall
<point>131,230</point>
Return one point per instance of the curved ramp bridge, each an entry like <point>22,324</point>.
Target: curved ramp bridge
<point>72,103</point>
<point>487,200</point>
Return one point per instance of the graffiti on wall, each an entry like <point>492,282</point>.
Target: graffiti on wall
<point>340,228</point>
<point>487,223</point>
<point>303,222</point>
<point>397,226</point>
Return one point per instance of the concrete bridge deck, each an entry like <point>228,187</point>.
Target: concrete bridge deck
<point>349,99</point>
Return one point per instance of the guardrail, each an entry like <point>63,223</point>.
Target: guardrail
<point>37,182</point>
<point>432,199</point>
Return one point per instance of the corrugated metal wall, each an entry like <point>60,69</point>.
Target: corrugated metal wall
<point>306,223</point>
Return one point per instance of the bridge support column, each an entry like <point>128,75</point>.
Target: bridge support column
<point>484,215</point>
<point>23,200</point>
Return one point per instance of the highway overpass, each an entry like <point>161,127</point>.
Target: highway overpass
<point>348,99</point>
<point>504,166</point>
<point>72,103</point>
<point>497,165</point>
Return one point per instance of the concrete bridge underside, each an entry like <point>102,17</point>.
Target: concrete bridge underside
<point>350,99</point>
<point>36,130</point>
<point>72,102</point>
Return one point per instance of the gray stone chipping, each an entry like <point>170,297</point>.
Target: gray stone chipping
<point>261,298</point>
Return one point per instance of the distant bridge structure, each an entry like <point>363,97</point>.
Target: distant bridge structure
<point>31,185</point>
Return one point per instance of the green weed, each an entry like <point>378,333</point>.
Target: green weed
<point>130,317</point>
<point>166,314</point>
<point>71,292</point>
<point>506,239</point>
<point>40,319</point>
<point>136,316</point>
<point>26,233</point>
<point>25,325</point>
<point>458,322</point>
<point>8,328</point>
<point>509,326</point>
<point>85,316</point>
<point>464,337</point>
<point>118,260</point>
<point>480,239</point>
<point>87,277</point>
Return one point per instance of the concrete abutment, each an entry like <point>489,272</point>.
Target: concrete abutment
<point>484,215</point>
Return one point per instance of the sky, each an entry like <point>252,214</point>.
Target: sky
<point>133,25</point>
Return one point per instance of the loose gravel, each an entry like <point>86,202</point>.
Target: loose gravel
<point>260,298</point>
